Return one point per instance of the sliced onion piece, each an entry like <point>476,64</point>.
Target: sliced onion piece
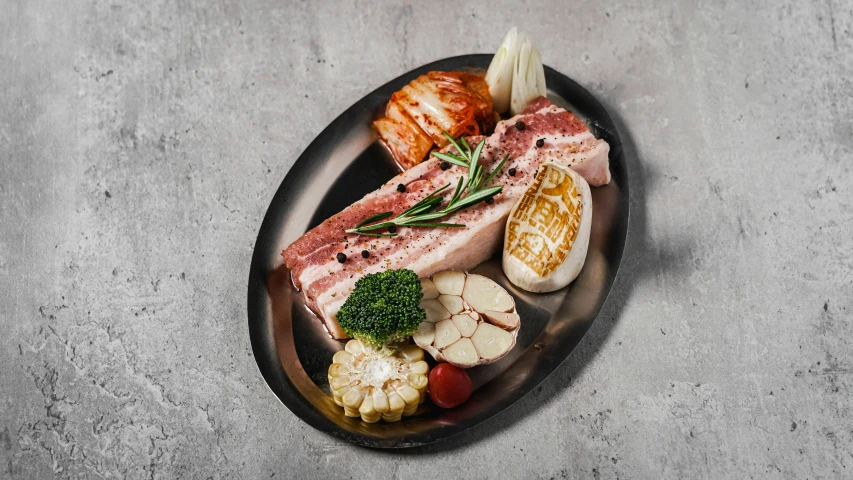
<point>528,78</point>
<point>499,75</point>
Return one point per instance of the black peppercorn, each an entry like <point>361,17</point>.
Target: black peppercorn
<point>365,253</point>
<point>341,257</point>
<point>511,172</point>
<point>401,188</point>
<point>519,125</point>
<point>490,201</point>
<point>392,229</point>
<point>445,165</point>
<point>540,143</point>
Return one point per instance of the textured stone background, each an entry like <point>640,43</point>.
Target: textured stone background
<point>141,142</point>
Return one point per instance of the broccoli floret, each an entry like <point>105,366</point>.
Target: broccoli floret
<point>384,307</point>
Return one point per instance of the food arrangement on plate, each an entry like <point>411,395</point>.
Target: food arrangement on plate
<point>488,164</point>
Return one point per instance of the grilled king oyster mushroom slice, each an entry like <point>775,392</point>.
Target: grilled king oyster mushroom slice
<point>471,320</point>
<point>547,234</point>
<point>374,386</point>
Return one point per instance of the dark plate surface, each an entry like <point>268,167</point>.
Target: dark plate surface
<point>341,165</point>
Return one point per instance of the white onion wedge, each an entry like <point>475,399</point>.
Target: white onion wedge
<point>499,75</point>
<point>516,74</point>
<point>528,78</point>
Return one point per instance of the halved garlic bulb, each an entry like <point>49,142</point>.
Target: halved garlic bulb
<point>472,321</point>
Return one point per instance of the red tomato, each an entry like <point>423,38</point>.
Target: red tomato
<point>449,386</point>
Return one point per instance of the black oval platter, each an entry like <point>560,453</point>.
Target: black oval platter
<point>341,165</point>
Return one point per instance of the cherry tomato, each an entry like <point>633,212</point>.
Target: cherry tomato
<point>449,385</point>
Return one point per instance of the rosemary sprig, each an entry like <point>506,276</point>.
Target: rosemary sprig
<point>468,192</point>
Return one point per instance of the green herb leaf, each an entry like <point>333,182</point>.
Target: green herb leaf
<point>496,170</point>
<point>465,145</point>
<point>479,149</point>
<point>431,198</point>
<point>458,191</point>
<point>467,192</point>
<point>476,197</point>
<point>422,209</point>
<point>375,226</point>
<point>420,218</point>
<point>450,158</point>
<point>369,234</point>
<point>453,142</point>
<point>441,225</point>
<point>378,216</point>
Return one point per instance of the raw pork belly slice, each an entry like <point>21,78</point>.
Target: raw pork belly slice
<point>327,283</point>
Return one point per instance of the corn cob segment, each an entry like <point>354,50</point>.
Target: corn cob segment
<point>374,386</point>
<point>471,321</point>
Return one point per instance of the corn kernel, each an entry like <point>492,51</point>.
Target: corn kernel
<point>338,369</point>
<point>343,357</point>
<point>339,382</point>
<point>354,348</point>
<point>380,401</point>
<point>353,398</point>
<point>419,367</point>
<point>409,395</point>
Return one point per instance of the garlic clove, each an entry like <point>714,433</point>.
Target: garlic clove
<point>453,303</point>
<point>425,334</point>
<point>483,302</point>
<point>490,341</point>
<point>445,334</point>
<point>465,324</point>
<point>507,321</point>
<point>484,294</point>
<point>430,291</point>
<point>462,353</point>
<point>449,282</point>
<point>435,311</point>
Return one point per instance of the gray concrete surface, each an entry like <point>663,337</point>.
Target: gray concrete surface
<point>141,142</point>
